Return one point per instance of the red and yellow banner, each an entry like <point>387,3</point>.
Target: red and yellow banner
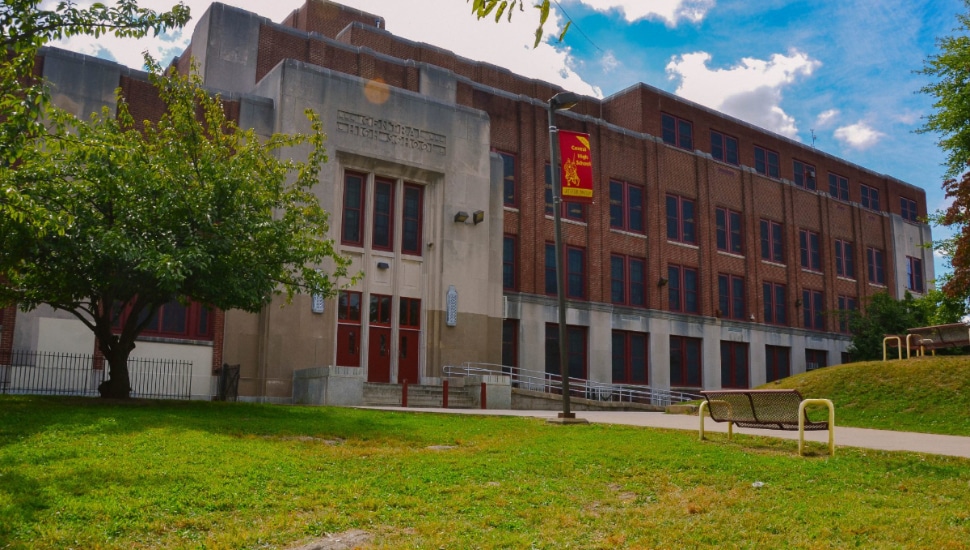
<point>577,167</point>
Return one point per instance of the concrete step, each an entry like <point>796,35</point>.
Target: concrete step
<point>389,395</point>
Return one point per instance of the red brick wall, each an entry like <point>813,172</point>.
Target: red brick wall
<point>8,319</point>
<point>329,19</point>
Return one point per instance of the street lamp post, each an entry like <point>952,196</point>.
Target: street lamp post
<point>558,102</point>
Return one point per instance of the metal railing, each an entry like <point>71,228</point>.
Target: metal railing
<point>50,373</point>
<point>545,382</point>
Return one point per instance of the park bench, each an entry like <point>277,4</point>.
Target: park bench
<point>770,409</point>
<point>930,338</point>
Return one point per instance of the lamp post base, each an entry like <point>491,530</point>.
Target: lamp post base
<point>563,418</point>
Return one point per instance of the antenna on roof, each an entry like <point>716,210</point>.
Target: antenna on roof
<point>812,130</point>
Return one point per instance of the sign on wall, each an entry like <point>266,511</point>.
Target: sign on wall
<point>577,167</point>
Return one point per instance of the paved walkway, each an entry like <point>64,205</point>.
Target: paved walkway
<point>949,445</point>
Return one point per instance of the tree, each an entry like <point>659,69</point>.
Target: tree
<point>950,70</point>
<point>24,28</point>
<point>885,315</point>
<point>484,8</point>
<point>190,208</point>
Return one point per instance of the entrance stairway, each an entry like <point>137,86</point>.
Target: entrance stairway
<point>389,395</point>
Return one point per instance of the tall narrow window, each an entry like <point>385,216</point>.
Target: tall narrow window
<point>728,230</point>
<point>847,305</point>
<point>777,363</point>
<point>870,197</point>
<point>383,214</point>
<point>677,131</point>
<point>804,175</point>
<point>348,328</point>
<point>808,243</point>
<point>509,188</point>
<point>734,364</point>
<point>772,245</point>
<point>839,186</point>
<point>626,207</point>
<point>412,214</point>
<point>685,362</point>
<point>681,225</point>
<point>627,283</point>
<point>682,289</point>
<point>352,226</point>
<point>510,343</point>
<point>775,311</point>
<point>510,254</point>
<point>812,307</point>
<point>576,354</point>
<point>907,209</point>
<point>730,290</point>
<point>575,264</point>
<point>914,274</point>
<point>875,265</point>
<point>766,162</point>
<point>724,148</point>
<point>844,259</point>
<point>629,357</point>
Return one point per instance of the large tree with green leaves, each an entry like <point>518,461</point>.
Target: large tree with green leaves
<point>950,119</point>
<point>24,28</point>
<point>190,207</point>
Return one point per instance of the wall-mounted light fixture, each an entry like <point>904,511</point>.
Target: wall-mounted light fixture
<point>662,282</point>
<point>752,317</point>
<point>461,216</point>
<point>478,216</point>
<point>383,265</point>
<point>798,302</point>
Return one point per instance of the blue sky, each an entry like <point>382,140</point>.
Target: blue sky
<point>843,69</point>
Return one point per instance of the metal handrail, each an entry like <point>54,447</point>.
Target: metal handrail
<point>544,382</point>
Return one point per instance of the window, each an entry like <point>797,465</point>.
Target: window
<point>734,364</point>
<point>774,298</point>
<point>772,248</point>
<point>348,328</point>
<point>907,208</point>
<point>411,226</point>
<point>839,187</point>
<point>816,359</point>
<point>409,313</point>
<point>685,362</point>
<point>730,292</point>
<point>875,260</point>
<point>570,210</point>
<point>575,350</point>
<point>808,244</point>
<point>804,175</point>
<point>510,253</point>
<point>626,206</point>
<point>510,343</point>
<point>766,162</point>
<point>914,274</point>
<point>677,131</point>
<point>627,280</point>
<point>575,264</point>
<point>812,307</point>
<point>629,357</point>
<point>681,225</point>
<point>192,321</point>
<point>844,260</point>
<point>682,285</point>
<point>870,197</point>
<point>383,215</point>
<point>352,225</point>
<point>777,363</point>
<point>724,148</point>
<point>380,310</point>
<point>847,305</point>
<point>728,230</point>
<point>510,195</point>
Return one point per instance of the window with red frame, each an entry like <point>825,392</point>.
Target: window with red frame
<point>685,362</point>
<point>844,259</point>
<point>626,207</point>
<point>682,289</point>
<point>629,357</point>
<point>380,310</point>
<point>728,224</point>
<point>348,328</point>
<point>876,265</point>
<point>576,354</point>
<point>818,358</point>
<point>724,148</point>
<point>510,343</point>
<point>730,290</point>
<point>734,364</point>
<point>510,195</point>
<point>777,363</point>
<point>775,310</point>
<point>173,320</point>
<point>907,209</point>
<point>677,131</point>
<point>772,243</point>
<point>870,197</point>
<point>914,274</point>
<point>766,162</point>
<point>839,186</point>
<point>808,245</point>
<point>570,210</point>
<point>409,313</point>
<point>412,220</point>
<point>812,308</point>
<point>352,224</point>
<point>510,255</point>
<point>627,280</point>
<point>847,305</point>
<point>383,215</point>
<point>681,224</point>
<point>804,175</point>
<point>575,265</point>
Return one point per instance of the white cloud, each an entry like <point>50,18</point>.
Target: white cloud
<point>609,62</point>
<point>671,12</point>
<point>826,118</point>
<point>750,90</point>
<point>859,135</point>
<point>447,24</point>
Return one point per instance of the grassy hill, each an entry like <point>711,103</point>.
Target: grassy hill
<point>929,394</point>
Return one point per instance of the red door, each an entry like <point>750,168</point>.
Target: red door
<point>379,355</point>
<point>407,362</point>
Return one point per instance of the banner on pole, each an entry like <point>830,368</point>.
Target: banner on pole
<point>577,167</point>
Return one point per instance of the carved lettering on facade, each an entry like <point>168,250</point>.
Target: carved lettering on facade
<point>388,131</point>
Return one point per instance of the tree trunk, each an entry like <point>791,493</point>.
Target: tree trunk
<point>118,386</point>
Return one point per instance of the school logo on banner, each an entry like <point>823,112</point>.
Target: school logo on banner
<point>577,167</point>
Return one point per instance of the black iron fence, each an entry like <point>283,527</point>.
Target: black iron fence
<point>49,373</point>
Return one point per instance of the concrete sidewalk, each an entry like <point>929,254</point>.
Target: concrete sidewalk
<point>844,437</point>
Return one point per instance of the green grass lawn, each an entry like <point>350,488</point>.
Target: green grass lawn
<point>83,473</point>
<point>929,394</point>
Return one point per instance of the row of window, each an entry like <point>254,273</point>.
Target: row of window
<point>382,210</point>
<point>630,357</point>
<point>192,321</point>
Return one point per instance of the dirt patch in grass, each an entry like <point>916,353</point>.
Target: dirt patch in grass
<point>348,540</point>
